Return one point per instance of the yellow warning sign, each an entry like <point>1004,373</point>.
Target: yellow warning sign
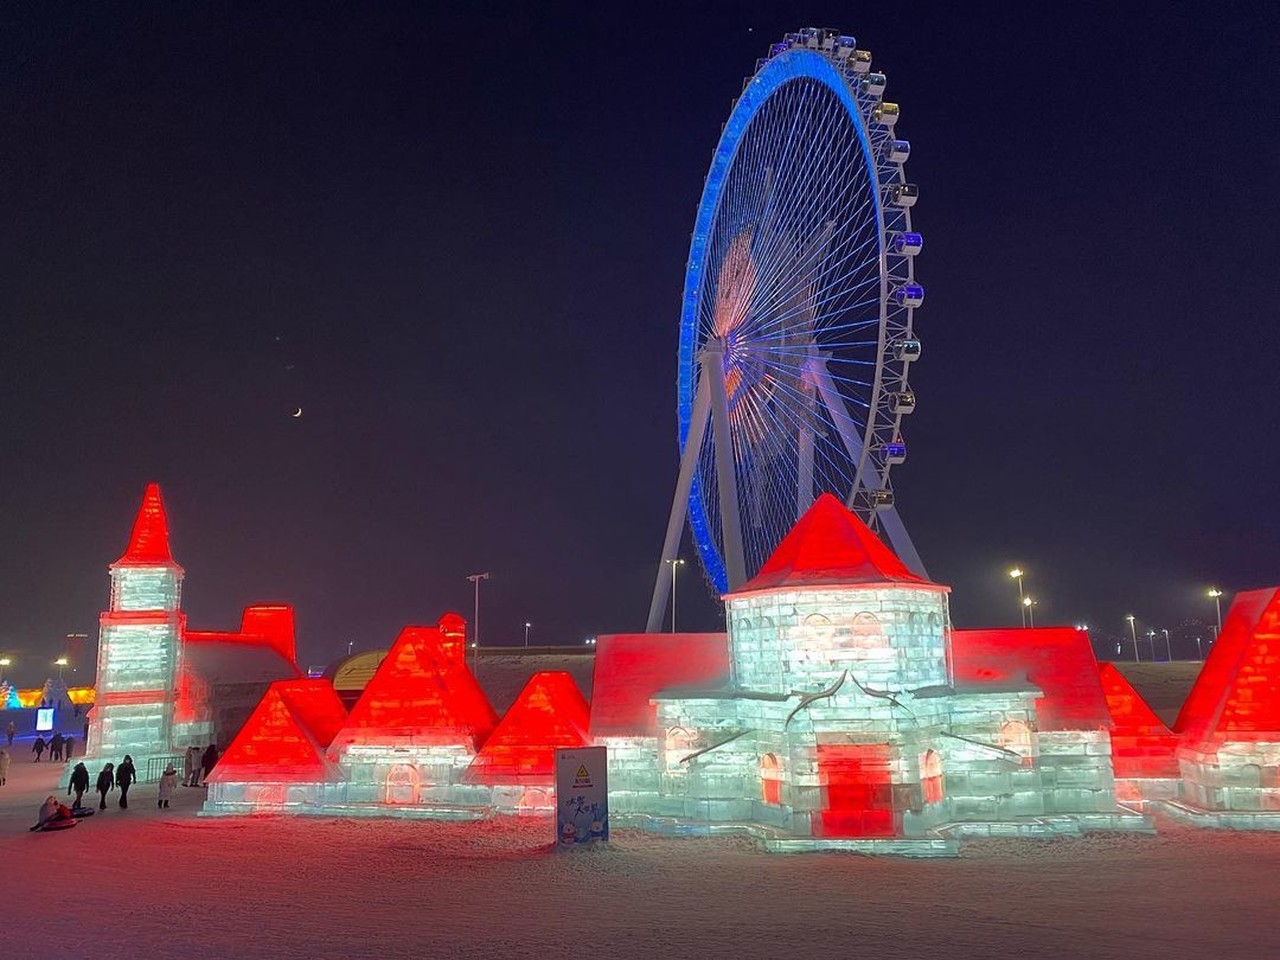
<point>583,777</point>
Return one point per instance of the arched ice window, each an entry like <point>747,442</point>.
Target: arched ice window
<point>770,779</point>
<point>931,776</point>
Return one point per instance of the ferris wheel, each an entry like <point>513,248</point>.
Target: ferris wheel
<point>796,324</point>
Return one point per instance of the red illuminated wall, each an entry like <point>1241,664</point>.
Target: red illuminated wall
<point>286,736</point>
<point>1141,746</point>
<point>859,795</point>
<point>550,714</point>
<point>631,668</point>
<point>1237,695</point>
<point>1058,660</point>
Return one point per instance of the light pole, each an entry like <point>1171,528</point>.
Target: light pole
<point>1017,574</point>
<point>1199,650</point>
<point>675,564</point>
<point>475,618</point>
<point>1133,632</point>
<point>1217,603</point>
<point>61,663</point>
<point>1151,638</point>
<point>350,644</point>
<point>4,662</point>
<point>1168,648</point>
<point>527,625</point>
<point>1029,605</point>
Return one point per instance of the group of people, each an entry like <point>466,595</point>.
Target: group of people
<point>58,744</point>
<point>121,778</point>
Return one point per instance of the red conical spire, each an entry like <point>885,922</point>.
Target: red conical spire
<point>829,545</point>
<point>149,542</point>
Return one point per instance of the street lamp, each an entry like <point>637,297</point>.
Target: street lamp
<point>1217,603</point>
<point>1168,649</point>
<point>1029,605</point>
<point>1017,574</point>
<point>61,663</point>
<point>4,662</point>
<point>475,618</point>
<point>1133,631</point>
<point>527,625</point>
<point>675,564</point>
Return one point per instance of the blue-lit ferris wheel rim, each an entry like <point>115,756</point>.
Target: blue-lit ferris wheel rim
<point>795,64</point>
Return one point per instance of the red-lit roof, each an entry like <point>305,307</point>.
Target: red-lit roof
<point>1058,660</point>
<point>631,668</point>
<point>550,714</point>
<point>1237,695</point>
<point>285,737</point>
<point>149,541</point>
<point>829,546</point>
<point>421,693</point>
<point>1141,746</point>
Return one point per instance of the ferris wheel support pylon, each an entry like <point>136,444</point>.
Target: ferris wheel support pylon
<point>886,516</point>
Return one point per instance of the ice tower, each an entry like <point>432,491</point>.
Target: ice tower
<point>139,645</point>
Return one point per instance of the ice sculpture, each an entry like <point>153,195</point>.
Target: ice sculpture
<point>138,647</point>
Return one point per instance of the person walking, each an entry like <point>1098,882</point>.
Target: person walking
<point>55,747</point>
<point>191,767</point>
<point>168,784</point>
<point>66,746</point>
<point>38,747</point>
<point>4,766</point>
<point>126,776</point>
<point>11,731</point>
<point>209,759</point>
<point>79,783</point>
<point>106,783</point>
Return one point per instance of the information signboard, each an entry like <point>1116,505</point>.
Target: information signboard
<point>44,719</point>
<point>582,795</point>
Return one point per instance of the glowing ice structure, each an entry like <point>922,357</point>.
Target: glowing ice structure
<point>139,648</point>
<point>841,711</point>
<point>422,740</point>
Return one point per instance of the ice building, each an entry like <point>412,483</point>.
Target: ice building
<point>161,687</point>
<point>840,710</point>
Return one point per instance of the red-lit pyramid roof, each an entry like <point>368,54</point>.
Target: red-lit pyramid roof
<point>1237,695</point>
<point>285,737</point>
<point>829,545</point>
<point>420,694</point>
<point>149,541</point>
<point>1141,745</point>
<point>550,714</point>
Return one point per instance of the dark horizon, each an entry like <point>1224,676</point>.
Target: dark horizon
<point>456,240</point>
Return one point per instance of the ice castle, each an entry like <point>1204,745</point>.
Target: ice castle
<point>840,710</point>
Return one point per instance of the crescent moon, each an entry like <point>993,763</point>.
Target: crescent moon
<point>297,413</point>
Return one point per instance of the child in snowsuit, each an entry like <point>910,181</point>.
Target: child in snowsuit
<point>168,783</point>
<point>106,783</point>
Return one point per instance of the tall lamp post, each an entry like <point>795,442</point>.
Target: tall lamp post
<point>61,664</point>
<point>675,564</point>
<point>1017,574</point>
<point>1217,604</point>
<point>1133,632</point>
<point>475,578</point>
<point>1168,648</point>
<point>527,625</point>
<point>4,662</point>
<point>1029,605</point>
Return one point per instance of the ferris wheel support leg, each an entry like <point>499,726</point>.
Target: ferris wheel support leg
<point>679,504</point>
<point>726,479</point>
<point>900,540</point>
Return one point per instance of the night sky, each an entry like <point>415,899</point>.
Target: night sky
<point>455,235</point>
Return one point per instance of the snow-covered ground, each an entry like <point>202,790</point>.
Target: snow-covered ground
<point>145,884</point>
